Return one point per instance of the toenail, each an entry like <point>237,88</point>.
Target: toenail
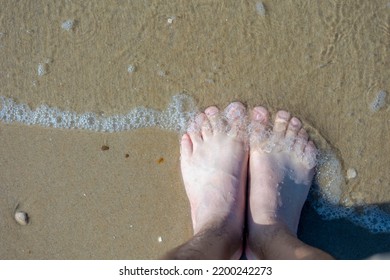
<point>258,115</point>
<point>235,110</point>
<point>295,122</point>
<point>283,115</point>
<point>211,111</point>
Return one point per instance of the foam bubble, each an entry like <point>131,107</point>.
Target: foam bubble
<point>329,176</point>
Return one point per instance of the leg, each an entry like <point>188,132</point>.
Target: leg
<point>281,169</point>
<point>214,160</point>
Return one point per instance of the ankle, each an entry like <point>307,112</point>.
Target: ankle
<point>263,237</point>
<point>221,235</point>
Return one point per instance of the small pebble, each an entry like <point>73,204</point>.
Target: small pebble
<point>105,148</point>
<point>21,218</point>
<point>351,173</point>
<point>68,24</point>
<point>131,68</point>
<point>159,239</point>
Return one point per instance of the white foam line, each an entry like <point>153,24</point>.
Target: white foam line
<point>175,117</point>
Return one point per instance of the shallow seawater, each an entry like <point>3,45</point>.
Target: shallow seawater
<point>112,67</point>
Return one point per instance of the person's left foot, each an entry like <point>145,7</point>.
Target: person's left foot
<point>214,160</point>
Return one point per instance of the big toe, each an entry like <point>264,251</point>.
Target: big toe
<point>258,126</point>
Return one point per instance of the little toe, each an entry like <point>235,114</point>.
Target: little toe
<point>185,146</point>
<point>281,123</point>
<point>236,117</point>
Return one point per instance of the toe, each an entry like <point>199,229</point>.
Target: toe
<point>310,155</point>
<point>301,142</point>
<point>214,118</point>
<point>293,127</point>
<point>185,146</point>
<point>206,129</point>
<point>194,129</point>
<point>281,123</point>
<point>236,117</point>
<point>260,115</point>
<point>258,126</point>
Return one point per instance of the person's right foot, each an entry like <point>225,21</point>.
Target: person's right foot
<point>281,169</point>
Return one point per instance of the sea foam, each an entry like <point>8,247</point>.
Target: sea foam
<point>175,117</point>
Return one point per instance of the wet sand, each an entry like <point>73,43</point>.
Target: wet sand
<point>323,61</point>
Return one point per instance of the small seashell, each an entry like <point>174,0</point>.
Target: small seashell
<point>351,173</point>
<point>21,218</point>
<point>159,239</point>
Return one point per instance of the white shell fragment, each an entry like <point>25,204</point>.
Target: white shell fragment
<point>131,68</point>
<point>260,8</point>
<point>42,69</point>
<point>21,218</point>
<point>351,173</point>
<point>171,19</point>
<point>159,239</point>
<point>379,101</point>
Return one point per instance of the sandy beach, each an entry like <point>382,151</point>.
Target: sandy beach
<point>119,195</point>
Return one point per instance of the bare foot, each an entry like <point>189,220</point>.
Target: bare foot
<point>281,169</point>
<point>214,161</point>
